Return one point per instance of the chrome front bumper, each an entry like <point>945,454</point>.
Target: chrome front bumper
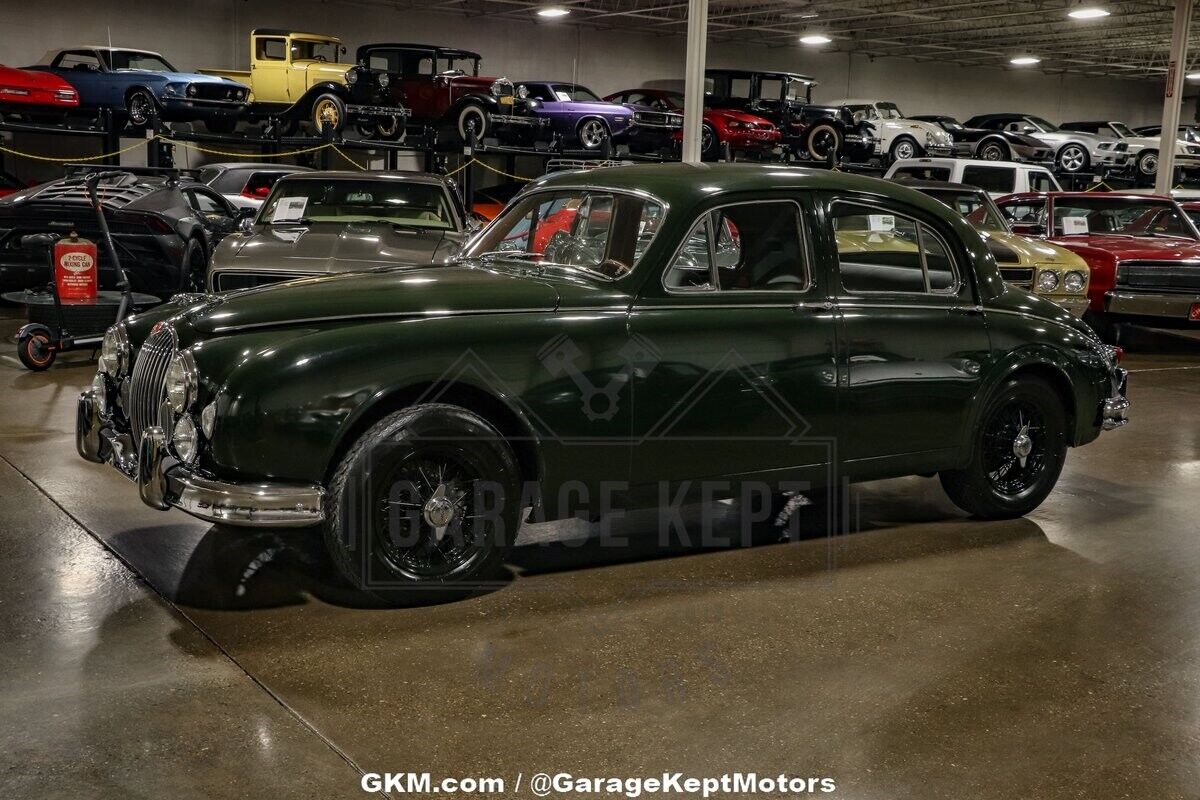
<point>1076,305</point>
<point>1172,305</point>
<point>164,483</point>
<point>1114,413</point>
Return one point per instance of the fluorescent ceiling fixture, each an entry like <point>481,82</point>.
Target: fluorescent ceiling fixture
<point>815,38</point>
<point>1022,61</point>
<point>1191,76</point>
<point>552,12</point>
<point>1087,12</point>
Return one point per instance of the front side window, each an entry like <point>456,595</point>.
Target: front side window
<point>881,251</point>
<point>597,232</point>
<point>990,179</point>
<point>744,247</point>
<point>399,203</point>
<point>270,49</point>
<point>132,59</point>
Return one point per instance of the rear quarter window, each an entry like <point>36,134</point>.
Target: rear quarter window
<point>990,179</point>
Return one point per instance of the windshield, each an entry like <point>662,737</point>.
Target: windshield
<point>889,111</point>
<point>309,50</point>
<point>402,203</point>
<point>457,64</point>
<point>1046,127</point>
<point>600,233</point>
<point>1100,216</point>
<point>1121,129</point>
<point>570,92</point>
<point>673,101</point>
<point>132,59</point>
<point>977,207</point>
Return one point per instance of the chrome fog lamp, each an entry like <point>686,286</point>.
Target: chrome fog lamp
<point>208,419</point>
<point>384,79</point>
<point>183,439</point>
<point>352,76</point>
<point>1074,281</point>
<point>100,390</point>
<point>114,352</point>
<point>180,382</point>
<point>1047,281</point>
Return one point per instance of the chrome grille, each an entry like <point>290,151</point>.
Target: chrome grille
<point>146,383</point>
<point>1183,276</point>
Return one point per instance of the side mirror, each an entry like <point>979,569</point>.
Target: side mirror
<point>245,219</point>
<point>475,221</point>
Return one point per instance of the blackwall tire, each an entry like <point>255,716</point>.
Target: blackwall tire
<point>1147,165</point>
<point>34,351</point>
<point>997,483</point>
<point>591,133</point>
<point>710,144</point>
<point>1073,158</point>
<point>992,150</point>
<point>404,469</point>
<point>193,268</point>
<point>903,148</point>
<point>140,108</point>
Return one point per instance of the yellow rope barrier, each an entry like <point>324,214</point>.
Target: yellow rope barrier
<point>211,152</point>
<point>338,150</point>
<point>498,172</point>
<point>76,159</point>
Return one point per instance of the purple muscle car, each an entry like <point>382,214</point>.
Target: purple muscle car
<point>578,114</point>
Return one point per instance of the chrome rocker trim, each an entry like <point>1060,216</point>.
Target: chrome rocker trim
<point>164,483</point>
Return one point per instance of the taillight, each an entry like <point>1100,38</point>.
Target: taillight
<point>1194,313</point>
<point>157,225</point>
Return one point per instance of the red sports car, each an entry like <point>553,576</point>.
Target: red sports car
<point>27,90</point>
<point>1143,250</point>
<point>743,132</point>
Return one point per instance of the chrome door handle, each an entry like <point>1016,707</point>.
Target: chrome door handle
<point>814,305</point>
<point>967,309</point>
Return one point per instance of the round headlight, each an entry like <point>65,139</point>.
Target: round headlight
<point>100,390</point>
<point>351,76</point>
<point>183,439</point>
<point>191,90</point>
<point>1047,281</point>
<point>208,419</point>
<point>522,91</point>
<point>496,88</point>
<point>1074,281</point>
<point>180,382</point>
<point>114,352</point>
<point>384,79</point>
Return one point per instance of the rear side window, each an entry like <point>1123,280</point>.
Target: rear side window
<point>881,251</point>
<point>80,60</point>
<point>990,179</point>
<point>744,247</point>
<point>924,173</point>
<point>1042,182</point>
<point>259,184</point>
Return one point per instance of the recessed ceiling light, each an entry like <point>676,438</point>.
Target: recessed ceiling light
<point>552,12</point>
<point>1083,11</point>
<point>1023,61</point>
<point>1193,76</point>
<point>815,38</point>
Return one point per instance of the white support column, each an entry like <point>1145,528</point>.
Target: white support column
<point>1173,96</point>
<point>693,79</point>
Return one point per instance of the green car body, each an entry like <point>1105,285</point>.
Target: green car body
<point>583,376</point>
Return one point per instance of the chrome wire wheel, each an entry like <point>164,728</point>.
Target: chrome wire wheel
<point>1014,447</point>
<point>140,107</point>
<point>428,522</point>
<point>1072,158</point>
<point>592,134</point>
<point>327,110</point>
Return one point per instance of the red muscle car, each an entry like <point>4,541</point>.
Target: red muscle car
<point>1143,251</point>
<point>30,90</point>
<point>744,132</point>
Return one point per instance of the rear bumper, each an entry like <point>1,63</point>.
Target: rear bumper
<point>1176,306</point>
<point>164,483</point>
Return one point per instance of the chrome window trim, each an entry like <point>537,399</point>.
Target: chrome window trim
<point>715,276</point>
<point>953,291</point>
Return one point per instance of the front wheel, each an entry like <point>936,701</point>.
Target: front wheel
<point>34,348</point>
<point>328,109</point>
<point>140,107</point>
<point>472,116</point>
<point>424,506</point>
<point>1017,453</point>
<point>1073,158</point>
<point>193,273</point>
<point>1147,164</point>
<point>823,141</point>
<point>992,150</point>
<point>903,148</point>
<point>592,133</point>
<point>710,144</point>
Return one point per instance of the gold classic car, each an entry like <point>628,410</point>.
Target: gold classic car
<point>1045,269</point>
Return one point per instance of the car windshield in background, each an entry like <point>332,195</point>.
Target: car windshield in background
<point>131,59</point>
<point>568,93</point>
<point>1047,127</point>
<point>951,124</point>
<point>1121,129</point>
<point>597,232</point>
<point>889,111</point>
<point>975,206</point>
<point>1193,214</point>
<point>304,50</point>
<point>410,205</point>
<point>1119,216</point>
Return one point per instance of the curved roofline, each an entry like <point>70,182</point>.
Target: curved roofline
<point>416,46</point>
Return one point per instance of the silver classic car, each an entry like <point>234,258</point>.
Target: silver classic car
<point>1074,151</point>
<point>316,223</point>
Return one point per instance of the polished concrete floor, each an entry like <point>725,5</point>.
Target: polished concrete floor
<point>919,655</point>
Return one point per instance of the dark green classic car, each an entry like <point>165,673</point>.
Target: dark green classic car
<point>622,336</point>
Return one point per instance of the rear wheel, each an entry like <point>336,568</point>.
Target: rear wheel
<point>194,267</point>
<point>34,348</point>
<point>1017,454</point>
<point>424,506</point>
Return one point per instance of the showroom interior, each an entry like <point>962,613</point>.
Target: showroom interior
<point>508,397</point>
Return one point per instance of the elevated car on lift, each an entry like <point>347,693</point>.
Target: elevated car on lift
<point>742,132</point>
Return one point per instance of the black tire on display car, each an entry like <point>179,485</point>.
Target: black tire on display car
<point>1073,158</point>
<point>193,272</point>
<point>140,108</point>
<point>34,348</point>
<point>822,141</point>
<point>994,150</point>
<point>389,129</point>
<point>424,506</point>
<point>710,144</point>
<point>1017,454</point>
<point>328,108</point>
<point>1147,166</point>
<point>592,133</point>
<point>905,147</point>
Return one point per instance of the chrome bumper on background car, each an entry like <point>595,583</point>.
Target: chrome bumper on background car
<point>1115,411</point>
<point>1176,305</point>
<point>377,111</point>
<point>163,482</point>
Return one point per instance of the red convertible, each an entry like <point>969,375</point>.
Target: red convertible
<point>32,90</point>
<point>743,132</point>
<point>1143,251</point>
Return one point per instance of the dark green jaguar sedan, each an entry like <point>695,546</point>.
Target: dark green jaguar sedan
<point>614,339</point>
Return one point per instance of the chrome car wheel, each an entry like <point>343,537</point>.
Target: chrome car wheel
<point>993,151</point>
<point>905,148</point>
<point>592,134</point>
<point>1072,158</point>
<point>1015,447</point>
<point>140,107</point>
<point>1147,163</point>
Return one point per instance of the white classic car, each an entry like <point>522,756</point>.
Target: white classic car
<point>1143,149</point>
<point>899,136</point>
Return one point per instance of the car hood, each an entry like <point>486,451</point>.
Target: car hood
<point>183,77</point>
<point>913,126</point>
<point>1134,247</point>
<point>1011,248</point>
<point>395,292</point>
<point>335,247</point>
<point>733,115</point>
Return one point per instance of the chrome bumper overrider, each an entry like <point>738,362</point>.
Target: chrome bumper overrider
<point>1115,411</point>
<point>163,482</point>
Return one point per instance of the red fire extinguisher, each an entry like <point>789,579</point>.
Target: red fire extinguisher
<point>75,273</point>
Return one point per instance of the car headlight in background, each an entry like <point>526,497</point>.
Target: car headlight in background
<point>114,352</point>
<point>180,382</point>
<point>352,76</point>
<point>522,91</point>
<point>183,439</point>
<point>100,390</point>
<point>1074,281</point>
<point>1047,281</point>
<point>384,79</point>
